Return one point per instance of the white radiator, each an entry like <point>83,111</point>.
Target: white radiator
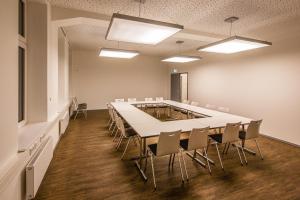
<point>37,167</point>
<point>63,123</point>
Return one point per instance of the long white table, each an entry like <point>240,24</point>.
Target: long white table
<point>147,126</point>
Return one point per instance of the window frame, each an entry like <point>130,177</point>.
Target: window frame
<point>22,42</point>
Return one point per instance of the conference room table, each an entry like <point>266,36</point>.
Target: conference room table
<point>147,126</point>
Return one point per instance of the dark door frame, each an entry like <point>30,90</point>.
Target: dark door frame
<point>187,89</point>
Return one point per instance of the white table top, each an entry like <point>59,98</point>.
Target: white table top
<point>148,126</point>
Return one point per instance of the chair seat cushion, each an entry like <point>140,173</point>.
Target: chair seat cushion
<point>184,143</point>
<point>153,148</point>
<point>217,137</point>
<point>242,135</point>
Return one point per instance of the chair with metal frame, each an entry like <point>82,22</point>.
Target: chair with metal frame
<point>230,136</point>
<point>79,108</point>
<point>160,105</point>
<point>168,144</point>
<point>252,133</point>
<point>125,133</point>
<point>198,140</point>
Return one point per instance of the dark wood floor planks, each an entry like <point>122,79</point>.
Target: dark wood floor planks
<point>86,166</point>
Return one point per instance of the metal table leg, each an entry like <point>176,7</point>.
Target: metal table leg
<point>138,162</point>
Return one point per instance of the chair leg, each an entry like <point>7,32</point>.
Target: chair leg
<point>146,160</point>
<point>109,121</point>
<point>153,173</point>
<point>173,160</point>
<point>224,149</point>
<point>116,135</point>
<point>184,164</point>
<point>76,115</point>
<point>119,143</point>
<point>244,154</point>
<point>258,149</point>
<point>219,156</point>
<point>207,161</point>
<point>237,148</point>
<point>182,178</point>
<point>170,159</point>
<point>111,125</point>
<point>125,148</point>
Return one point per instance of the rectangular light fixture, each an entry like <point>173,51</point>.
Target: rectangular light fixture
<point>234,44</point>
<point>117,53</point>
<point>181,59</point>
<point>127,28</point>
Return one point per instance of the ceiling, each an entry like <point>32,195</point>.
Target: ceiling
<point>197,16</point>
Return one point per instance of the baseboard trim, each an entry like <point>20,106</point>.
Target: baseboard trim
<point>280,140</point>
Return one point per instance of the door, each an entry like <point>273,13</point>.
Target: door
<point>175,87</point>
<point>179,86</point>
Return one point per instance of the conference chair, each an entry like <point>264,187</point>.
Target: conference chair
<point>149,105</point>
<point>198,140</point>
<point>125,133</point>
<point>230,136</point>
<point>181,111</point>
<point>251,133</point>
<point>79,108</point>
<point>119,100</point>
<point>168,144</point>
<point>131,100</point>
<point>160,105</point>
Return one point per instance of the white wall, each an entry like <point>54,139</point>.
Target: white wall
<point>8,80</point>
<point>63,70</point>
<point>98,80</point>
<point>262,83</point>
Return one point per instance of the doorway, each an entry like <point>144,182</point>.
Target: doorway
<point>179,86</point>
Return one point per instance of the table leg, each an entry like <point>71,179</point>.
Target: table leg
<point>139,161</point>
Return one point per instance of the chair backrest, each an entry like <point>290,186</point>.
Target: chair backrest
<point>231,132</point>
<point>159,98</point>
<point>185,101</point>
<point>75,103</point>
<point>198,138</point>
<point>210,106</point>
<point>223,109</point>
<point>148,99</point>
<point>131,100</point>
<point>194,103</point>
<point>114,115</point>
<point>110,111</point>
<point>120,125</point>
<point>119,100</point>
<point>168,143</point>
<point>253,129</point>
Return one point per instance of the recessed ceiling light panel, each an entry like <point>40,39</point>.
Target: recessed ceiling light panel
<point>127,28</point>
<point>234,44</point>
<point>117,53</point>
<point>181,59</point>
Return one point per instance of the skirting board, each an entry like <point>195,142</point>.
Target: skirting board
<point>280,140</point>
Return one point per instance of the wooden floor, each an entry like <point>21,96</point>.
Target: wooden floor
<point>86,166</point>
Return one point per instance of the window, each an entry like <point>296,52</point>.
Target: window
<point>22,63</point>
<point>21,84</point>
<point>21,18</point>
